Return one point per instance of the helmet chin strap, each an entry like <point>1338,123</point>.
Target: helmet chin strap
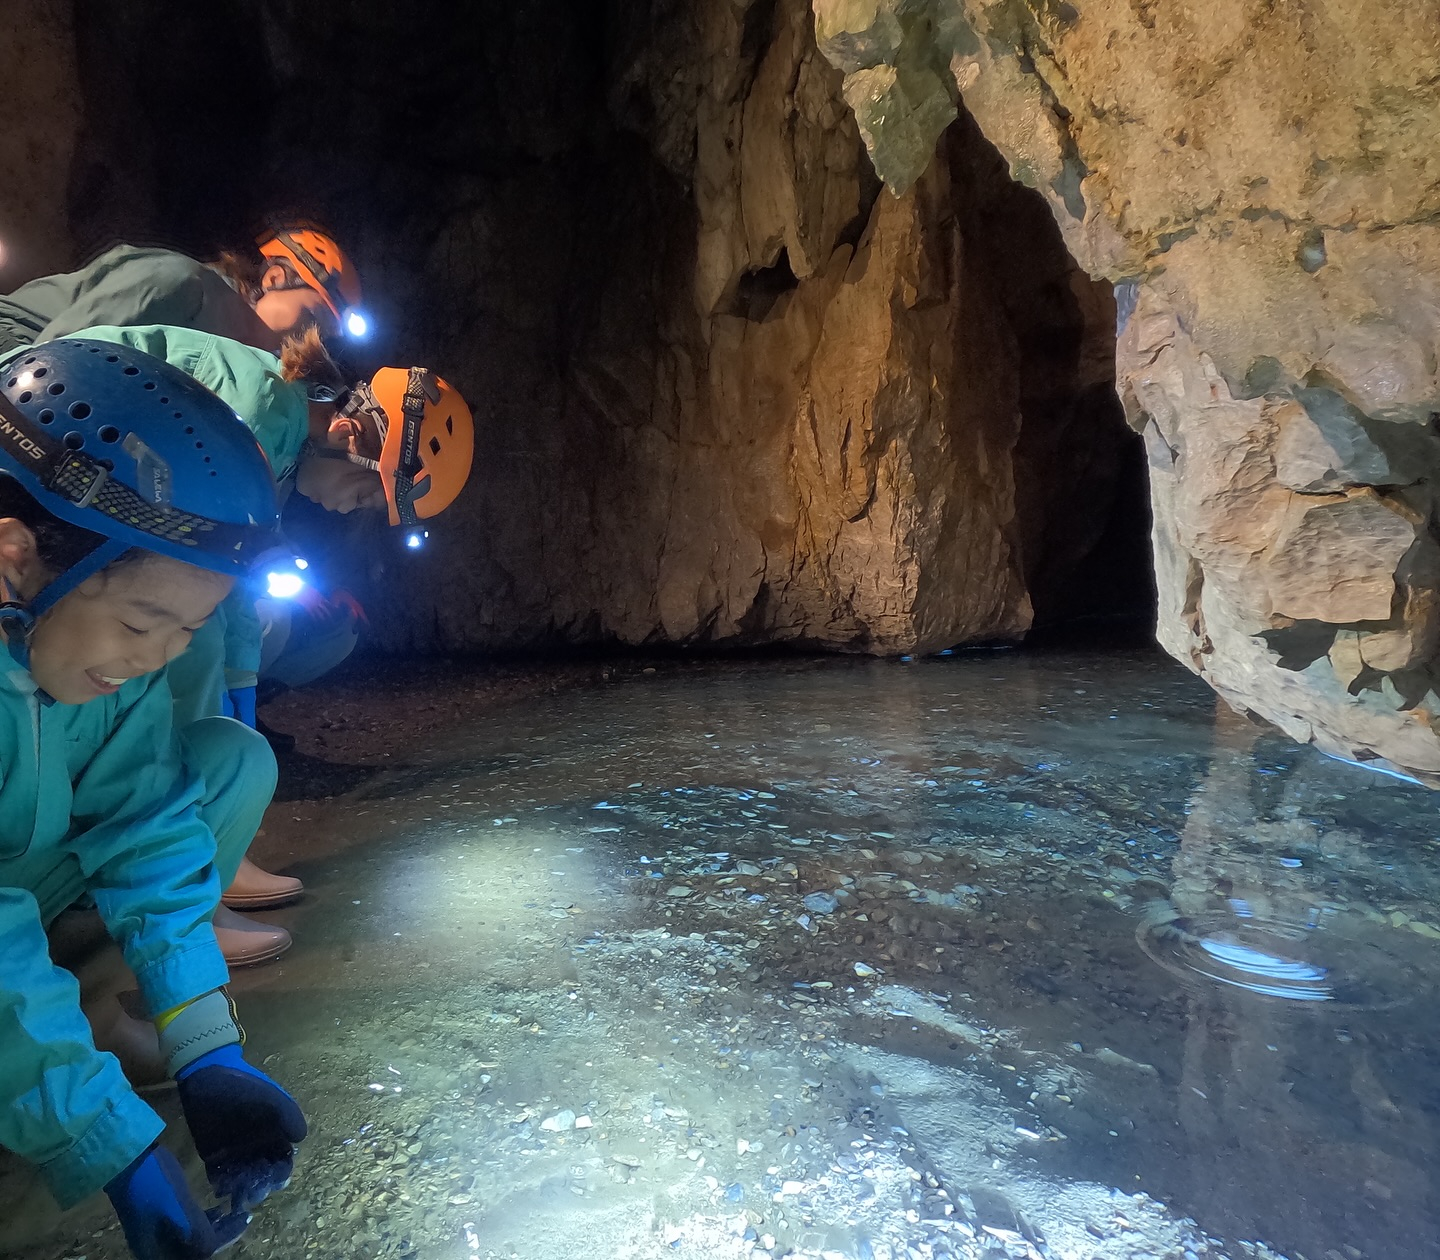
<point>17,619</point>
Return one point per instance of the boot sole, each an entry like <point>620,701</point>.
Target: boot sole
<point>265,956</point>
<point>262,901</point>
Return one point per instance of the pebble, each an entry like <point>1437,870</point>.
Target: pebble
<point>821,902</point>
<point>560,1122</point>
<point>679,890</point>
<point>864,970</point>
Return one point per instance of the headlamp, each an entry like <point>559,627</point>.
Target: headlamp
<point>283,572</point>
<point>356,323</point>
<point>415,539</point>
<point>280,585</point>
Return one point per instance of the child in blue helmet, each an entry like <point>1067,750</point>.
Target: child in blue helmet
<point>118,537</point>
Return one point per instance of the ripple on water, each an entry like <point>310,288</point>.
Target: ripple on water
<point>1336,960</point>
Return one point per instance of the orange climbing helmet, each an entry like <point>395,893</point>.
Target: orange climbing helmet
<point>319,262</point>
<point>427,440</point>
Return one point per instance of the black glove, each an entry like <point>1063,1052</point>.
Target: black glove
<point>244,1125</point>
<point>160,1217</point>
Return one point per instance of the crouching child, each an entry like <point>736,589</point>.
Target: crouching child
<point>119,536</point>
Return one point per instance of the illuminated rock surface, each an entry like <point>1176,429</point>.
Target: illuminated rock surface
<point>1001,1037</point>
<point>1263,186</point>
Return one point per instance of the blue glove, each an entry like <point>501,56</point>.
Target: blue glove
<point>244,1125</point>
<point>239,703</point>
<point>160,1217</point>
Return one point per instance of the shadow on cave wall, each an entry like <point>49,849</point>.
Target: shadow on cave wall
<point>515,207</point>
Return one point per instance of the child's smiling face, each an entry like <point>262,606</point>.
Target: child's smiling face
<point>129,620</point>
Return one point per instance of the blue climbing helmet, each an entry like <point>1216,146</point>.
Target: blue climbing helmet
<point>124,445</point>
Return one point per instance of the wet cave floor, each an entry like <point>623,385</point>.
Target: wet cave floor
<point>1002,954</point>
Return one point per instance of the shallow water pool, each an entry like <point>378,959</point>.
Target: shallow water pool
<point>1001,954</point>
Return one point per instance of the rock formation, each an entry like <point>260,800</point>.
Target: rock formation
<point>1261,183</point>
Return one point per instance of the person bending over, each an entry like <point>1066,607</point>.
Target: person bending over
<point>297,277</point>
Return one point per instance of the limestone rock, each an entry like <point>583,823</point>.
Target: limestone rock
<point>783,407</point>
<point>1334,558</point>
<point>1261,181</point>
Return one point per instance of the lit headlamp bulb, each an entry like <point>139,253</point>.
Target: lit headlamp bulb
<point>415,539</point>
<point>356,324</point>
<point>282,585</point>
<point>283,573</point>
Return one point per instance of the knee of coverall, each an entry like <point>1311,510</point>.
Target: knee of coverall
<point>239,770</point>
<point>312,649</point>
<point>276,616</point>
<point>197,675</point>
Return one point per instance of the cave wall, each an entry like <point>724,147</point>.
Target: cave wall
<point>38,42</point>
<point>1261,182</point>
<point>726,391</point>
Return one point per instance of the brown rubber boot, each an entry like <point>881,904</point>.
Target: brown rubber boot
<point>254,889</point>
<point>246,943</point>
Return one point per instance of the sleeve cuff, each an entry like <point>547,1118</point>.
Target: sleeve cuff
<point>110,1145</point>
<point>183,975</point>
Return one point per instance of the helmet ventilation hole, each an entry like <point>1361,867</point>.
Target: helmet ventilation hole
<point>80,411</point>
<point>75,441</point>
<point>46,416</point>
<point>131,370</point>
<point>112,358</point>
<point>434,446</point>
<point>40,371</point>
<point>57,388</point>
<point>450,425</point>
<point>109,433</point>
<point>25,397</point>
<point>149,384</point>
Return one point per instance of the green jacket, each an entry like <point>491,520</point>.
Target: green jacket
<point>227,653</point>
<point>130,285</point>
<point>95,796</point>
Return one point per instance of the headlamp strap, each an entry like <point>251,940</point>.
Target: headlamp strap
<point>18,619</point>
<point>87,483</point>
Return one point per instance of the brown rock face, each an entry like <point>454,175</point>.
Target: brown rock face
<point>1262,183</point>
<point>788,411</point>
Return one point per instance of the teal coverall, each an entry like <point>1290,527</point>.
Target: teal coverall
<point>225,653</point>
<point>103,798</point>
<point>130,285</point>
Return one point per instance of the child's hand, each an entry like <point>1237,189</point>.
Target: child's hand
<point>244,1125</point>
<point>160,1217</point>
